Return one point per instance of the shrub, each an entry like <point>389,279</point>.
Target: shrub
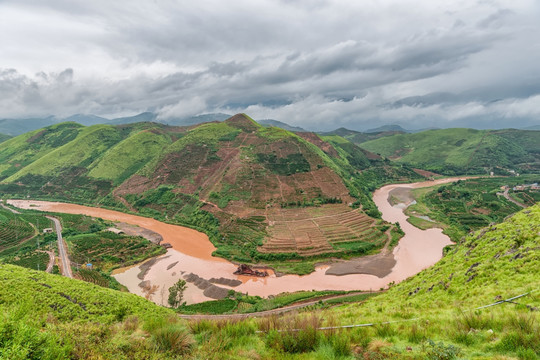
<point>299,334</point>
<point>440,351</point>
<point>173,338</point>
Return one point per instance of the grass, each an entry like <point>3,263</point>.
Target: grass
<point>422,223</point>
<point>465,205</point>
<point>456,151</point>
<point>431,315</point>
<point>45,316</point>
<point>129,156</point>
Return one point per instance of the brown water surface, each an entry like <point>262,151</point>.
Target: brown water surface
<point>417,250</point>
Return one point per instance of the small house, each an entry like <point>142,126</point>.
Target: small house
<point>115,230</point>
<point>47,230</point>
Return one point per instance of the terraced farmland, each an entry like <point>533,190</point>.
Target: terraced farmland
<point>319,230</point>
<point>107,250</point>
<point>13,229</point>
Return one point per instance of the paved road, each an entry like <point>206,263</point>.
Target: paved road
<point>264,313</point>
<point>66,267</point>
<point>8,208</point>
<point>505,194</point>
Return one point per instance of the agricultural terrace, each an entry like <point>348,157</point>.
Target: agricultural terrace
<point>22,241</point>
<point>329,228</point>
<point>13,229</point>
<point>107,250</point>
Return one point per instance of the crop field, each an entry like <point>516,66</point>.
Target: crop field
<point>107,250</point>
<point>31,260</point>
<point>13,229</point>
<point>318,230</point>
<point>469,205</point>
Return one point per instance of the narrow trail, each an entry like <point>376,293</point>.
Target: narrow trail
<point>51,260</point>
<point>268,312</point>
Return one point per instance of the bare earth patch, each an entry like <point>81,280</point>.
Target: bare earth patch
<point>379,265</point>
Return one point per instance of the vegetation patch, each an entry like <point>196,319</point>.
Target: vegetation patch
<point>291,164</point>
<point>467,205</point>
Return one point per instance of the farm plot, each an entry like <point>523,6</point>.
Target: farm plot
<point>13,229</point>
<point>107,250</point>
<point>326,229</point>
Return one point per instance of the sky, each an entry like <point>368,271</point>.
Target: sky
<point>316,64</point>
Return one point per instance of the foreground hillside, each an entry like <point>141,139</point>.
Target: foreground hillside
<point>4,137</point>
<point>45,316</point>
<point>436,314</point>
<point>238,181</point>
<point>458,151</point>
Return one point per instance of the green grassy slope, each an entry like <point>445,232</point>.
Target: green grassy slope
<point>45,316</point>
<point>495,263</point>
<point>451,151</point>
<point>128,156</point>
<point>4,137</point>
<point>432,315</point>
<point>20,151</point>
<point>89,144</point>
<point>68,299</point>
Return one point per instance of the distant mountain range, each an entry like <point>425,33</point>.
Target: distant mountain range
<point>14,127</point>
<point>282,125</point>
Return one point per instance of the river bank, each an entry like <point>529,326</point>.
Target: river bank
<point>191,254</point>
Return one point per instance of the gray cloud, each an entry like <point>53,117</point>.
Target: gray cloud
<point>319,65</point>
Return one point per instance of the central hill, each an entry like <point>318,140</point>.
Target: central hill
<point>260,193</point>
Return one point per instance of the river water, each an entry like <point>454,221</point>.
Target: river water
<point>191,253</point>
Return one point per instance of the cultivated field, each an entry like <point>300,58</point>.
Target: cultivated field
<point>312,231</point>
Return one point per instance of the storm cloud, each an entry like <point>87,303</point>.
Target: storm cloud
<point>318,64</point>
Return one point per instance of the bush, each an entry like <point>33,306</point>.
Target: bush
<point>293,334</point>
<point>22,339</point>
<point>173,338</point>
<point>440,351</point>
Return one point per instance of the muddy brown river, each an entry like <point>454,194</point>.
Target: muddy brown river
<point>191,253</point>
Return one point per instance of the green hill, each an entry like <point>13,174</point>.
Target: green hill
<point>358,137</point>
<point>230,179</point>
<point>457,151</point>
<point>4,137</point>
<point>439,313</point>
<point>47,316</point>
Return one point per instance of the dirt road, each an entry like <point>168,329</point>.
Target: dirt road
<point>66,265</point>
<point>51,260</point>
<point>267,312</point>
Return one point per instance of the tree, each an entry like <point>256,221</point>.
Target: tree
<point>176,293</point>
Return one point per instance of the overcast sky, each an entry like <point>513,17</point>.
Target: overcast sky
<point>317,64</point>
